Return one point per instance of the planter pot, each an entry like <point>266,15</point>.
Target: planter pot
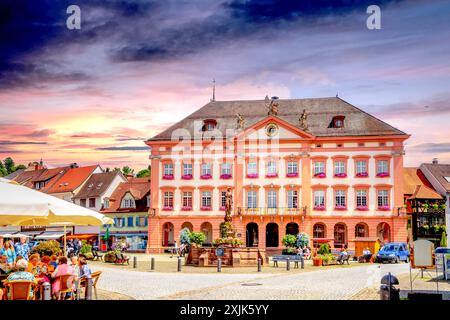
<point>317,262</point>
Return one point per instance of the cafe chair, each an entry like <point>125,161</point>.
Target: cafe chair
<point>66,285</point>
<point>21,290</point>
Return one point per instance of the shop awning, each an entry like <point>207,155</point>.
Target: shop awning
<point>49,236</point>
<point>365,239</point>
<point>82,236</point>
<point>322,239</point>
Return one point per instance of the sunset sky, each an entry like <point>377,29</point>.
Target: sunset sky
<point>135,67</point>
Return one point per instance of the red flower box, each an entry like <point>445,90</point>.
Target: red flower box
<point>186,176</point>
<point>222,208</point>
<point>225,176</point>
<point>167,208</point>
<point>205,208</point>
<point>186,208</point>
<point>205,176</point>
<point>292,175</point>
<point>252,175</point>
<point>319,208</point>
<point>362,208</point>
<point>384,208</point>
<point>272,175</point>
<point>340,208</point>
<point>168,177</point>
<point>362,174</point>
<point>383,174</point>
<point>320,175</point>
<point>340,175</point>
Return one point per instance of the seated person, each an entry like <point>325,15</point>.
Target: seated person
<point>366,255</point>
<point>342,254</point>
<point>53,263</point>
<point>21,274</point>
<point>61,270</point>
<point>33,264</point>
<point>307,253</point>
<point>85,271</point>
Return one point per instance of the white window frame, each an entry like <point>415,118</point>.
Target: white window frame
<point>206,199</point>
<point>292,197</point>
<point>382,166</point>
<point>206,168</point>
<point>319,198</point>
<point>361,166</point>
<point>272,167</point>
<point>168,169</point>
<point>272,199</point>
<point>292,167</point>
<point>168,199</point>
<point>339,167</point>
<point>252,167</point>
<point>187,169</point>
<point>319,167</point>
<point>251,199</point>
<point>226,168</point>
<point>383,198</point>
<point>187,199</point>
<point>361,198</point>
<point>340,198</point>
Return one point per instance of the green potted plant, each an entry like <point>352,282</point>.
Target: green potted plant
<point>443,206</point>
<point>86,250</point>
<point>435,206</point>
<point>425,206</point>
<point>436,228</point>
<point>443,229</point>
<point>425,227</point>
<point>197,238</point>
<point>317,260</point>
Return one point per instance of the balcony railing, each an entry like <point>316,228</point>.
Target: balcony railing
<point>271,211</point>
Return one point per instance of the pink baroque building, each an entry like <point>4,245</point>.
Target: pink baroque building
<point>320,166</point>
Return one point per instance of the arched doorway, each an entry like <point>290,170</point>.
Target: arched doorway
<point>206,228</point>
<point>252,235</point>
<point>272,235</point>
<point>292,228</point>
<point>319,231</point>
<point>187,225</point>
<point>361,230</point>
<point>340,235</point>
<point>384,232</point>
<point>168,237</point>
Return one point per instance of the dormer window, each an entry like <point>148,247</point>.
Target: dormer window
<point>209,125</point>
<point>337,122</point>
<point>128,202</point>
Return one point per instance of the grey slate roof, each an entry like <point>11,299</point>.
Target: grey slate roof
<point>96,185</point>
<point>439,171</point>
<point>320,112</point>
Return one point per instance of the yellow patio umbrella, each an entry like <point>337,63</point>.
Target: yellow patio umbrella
<point>22,206</point>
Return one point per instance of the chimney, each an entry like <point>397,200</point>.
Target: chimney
<point>435,161</point>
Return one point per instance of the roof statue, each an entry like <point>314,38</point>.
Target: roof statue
<point>240,121</point>
<point>302,120</point>
<point>272,105</point>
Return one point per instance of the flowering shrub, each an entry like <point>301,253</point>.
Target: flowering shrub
<point>187,208</point>
<point>362,174</point>
<point>225,176</point>
<point>185,236</point>
<point>362,208</point>
<point>383,174</point>
<point>186,176</point>
<point>384,208</point>
<point>252,175</point>
<point>205,176</point>
<point>302,240</point>
<point>321,208</point>
<point>167,176</point>
<point>340,175</point>
<point>320,175</point>
<point>292,175</point>
<point>197,238</point>
<point>271,175</point>
<point>234,242</point>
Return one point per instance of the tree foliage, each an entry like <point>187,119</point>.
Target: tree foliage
<point>143,173</point>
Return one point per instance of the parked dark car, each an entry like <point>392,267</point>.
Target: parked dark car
<point>393,252</point>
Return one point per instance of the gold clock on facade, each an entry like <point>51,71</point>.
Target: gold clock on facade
<point>271,129</point>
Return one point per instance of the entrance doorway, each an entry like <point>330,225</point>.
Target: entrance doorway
<point>272,235</point>
<point>251,235</point>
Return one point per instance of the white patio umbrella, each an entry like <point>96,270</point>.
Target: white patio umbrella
<point>22,206</point>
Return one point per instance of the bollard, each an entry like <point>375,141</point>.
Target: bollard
<point>46,291</point>
<point>259,264</point>
<point>179,264</point>
<point>88,294</point>
<point>302,263</point>
<point>134,262</point>
<point>77,289</point>
<point>152,264</point>
<point>219,265</point>
<point>288,264</point>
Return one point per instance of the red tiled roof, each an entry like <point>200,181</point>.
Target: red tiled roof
<point>71,179</point>
<point>29,177</point>
<point>137,187</point>
<point>415,185</point>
